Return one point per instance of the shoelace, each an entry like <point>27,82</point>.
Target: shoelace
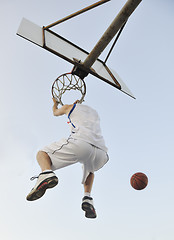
<point>34,177</point>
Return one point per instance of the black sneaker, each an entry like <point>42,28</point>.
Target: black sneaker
<point>87,206</point>
<point>45,180</point>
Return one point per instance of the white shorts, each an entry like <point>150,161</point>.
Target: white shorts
<point>70,151</point>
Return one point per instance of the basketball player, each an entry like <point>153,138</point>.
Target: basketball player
<point>85,145</point>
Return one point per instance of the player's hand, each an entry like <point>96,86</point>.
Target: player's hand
<point>77,101</point>
<point>55,101</point>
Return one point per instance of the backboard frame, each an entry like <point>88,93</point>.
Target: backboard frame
<point>38,35</point>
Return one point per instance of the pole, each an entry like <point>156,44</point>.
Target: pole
<point>76,13</point>
<point>117,23</point>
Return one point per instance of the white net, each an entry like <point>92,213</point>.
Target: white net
<point>68,88</point>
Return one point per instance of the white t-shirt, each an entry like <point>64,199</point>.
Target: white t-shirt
<point>85,125</point>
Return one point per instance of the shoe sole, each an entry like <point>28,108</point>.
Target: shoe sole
<point>89,210</point>
<point>41,189</point>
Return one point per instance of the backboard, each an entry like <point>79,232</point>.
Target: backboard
<point>70,52</point>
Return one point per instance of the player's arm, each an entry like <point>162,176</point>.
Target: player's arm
<point>60,111</point>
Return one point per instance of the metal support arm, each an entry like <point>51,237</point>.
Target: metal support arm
<point>76,13</point>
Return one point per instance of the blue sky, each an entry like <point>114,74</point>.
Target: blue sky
<point>138,133</point>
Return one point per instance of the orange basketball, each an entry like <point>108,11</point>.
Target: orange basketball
<point>139,181</point>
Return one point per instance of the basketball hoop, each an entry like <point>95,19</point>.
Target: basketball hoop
<point>67,82</point>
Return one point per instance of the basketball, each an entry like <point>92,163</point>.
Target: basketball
<point>139,181</point>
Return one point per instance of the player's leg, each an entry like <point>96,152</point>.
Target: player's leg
<point>60,154</point>
<point>97,159</point>
<point>87,201</point>
<point>89,183</point>
<point>46,179</point>
<point>43,160</point>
